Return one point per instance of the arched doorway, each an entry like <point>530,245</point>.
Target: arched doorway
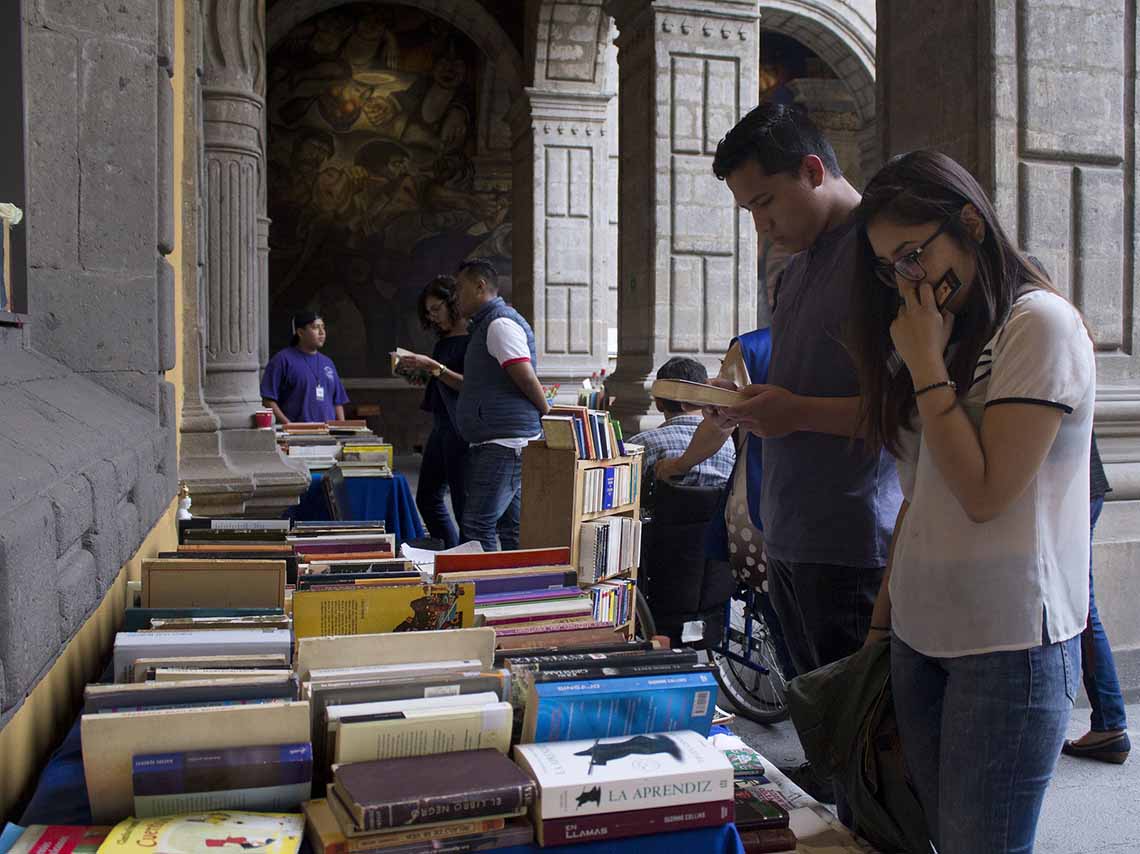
<point>387,161</point>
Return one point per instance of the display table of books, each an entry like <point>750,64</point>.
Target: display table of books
<point>233,717</point>
<point>369,498</point>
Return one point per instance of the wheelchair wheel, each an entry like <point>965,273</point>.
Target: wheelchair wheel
<point>755,685</point>
<point>646,625</point>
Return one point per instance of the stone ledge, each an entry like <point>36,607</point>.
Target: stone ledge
<point>84,475</point>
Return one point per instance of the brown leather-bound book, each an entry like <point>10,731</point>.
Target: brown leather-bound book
<point>768,841</point>
<point>422,789</point>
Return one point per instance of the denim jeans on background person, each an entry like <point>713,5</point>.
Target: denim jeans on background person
<point>981,735</point>
<point>493,500</point>
<point>442,468</point>
<point>1098,668</point>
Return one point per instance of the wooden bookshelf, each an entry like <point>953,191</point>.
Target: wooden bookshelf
<point>553,489</point>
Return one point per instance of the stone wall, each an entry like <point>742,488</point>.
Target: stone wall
<point>87,431</point>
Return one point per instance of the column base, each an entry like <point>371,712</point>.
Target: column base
<point>240,473</point>
<point>632,404</point>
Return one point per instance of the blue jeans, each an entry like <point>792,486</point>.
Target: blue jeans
<point>1097,665</point>
<point>494,496</point>
<point>981,735</point>
<point>442,469</point>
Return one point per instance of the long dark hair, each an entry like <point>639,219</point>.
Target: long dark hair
<point>921,187</point>
<point>443,288</point>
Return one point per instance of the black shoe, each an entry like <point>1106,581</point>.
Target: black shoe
<point>1114,750</point>
<point>805,777</point>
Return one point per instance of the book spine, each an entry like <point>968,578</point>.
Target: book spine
<point>511,584</point>
<point>369,844</point>
<point>284,798</point>
<point>682,789</point>
<point>620,825</point>
<point>473,804</point>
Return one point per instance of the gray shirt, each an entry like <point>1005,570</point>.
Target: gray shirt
<point>825,499</point>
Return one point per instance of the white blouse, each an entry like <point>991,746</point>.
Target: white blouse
<point>962,588</point>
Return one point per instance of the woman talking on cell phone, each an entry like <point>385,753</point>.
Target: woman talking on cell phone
<point>985,397</point>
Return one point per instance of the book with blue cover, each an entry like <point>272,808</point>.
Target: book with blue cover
<point>608,490</point>
<point>603,708</point>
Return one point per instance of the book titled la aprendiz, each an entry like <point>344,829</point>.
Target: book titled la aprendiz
<point>617,775</point>
<point>195,833</point>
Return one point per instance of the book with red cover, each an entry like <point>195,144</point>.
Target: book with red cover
<point>499,560</point>
<point>59,839</point>
<point>619,825</point>
<point>413,790</point>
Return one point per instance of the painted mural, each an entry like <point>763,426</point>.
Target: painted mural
<point>373,184</point>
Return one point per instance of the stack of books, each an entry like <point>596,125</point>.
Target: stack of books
<point>613,600</point>
<point>608,547</point>
<point>610,788</point>
<point>525,592</point>
<point>474,800</point>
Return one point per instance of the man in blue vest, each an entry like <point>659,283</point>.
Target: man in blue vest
<point>500,406</point>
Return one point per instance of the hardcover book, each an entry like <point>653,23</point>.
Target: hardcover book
<point>613,775</point>
<point>620,825</point>
<point>271,778</point>
<point>327,836</point>
<point>423,789</point>
<point>597,708</point>
<point>388,608</point>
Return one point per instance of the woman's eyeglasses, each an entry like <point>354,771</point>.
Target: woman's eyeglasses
<point>909,266</point>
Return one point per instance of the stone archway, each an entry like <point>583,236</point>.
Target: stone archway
<point>842,34</point>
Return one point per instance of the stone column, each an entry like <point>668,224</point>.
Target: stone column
<point>1048,123</point>
<point>559,228</point>
<point>561,182</point>
<point>686,254</point>
<point>233,469</point>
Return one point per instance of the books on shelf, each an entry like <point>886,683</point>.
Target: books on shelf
<point>613,600</point>
<point>608,488</point>
<point>608,547</point>
<point>131,646</point>
<point>591,434</point>
<point>211,583</point>
<point>625,775</point>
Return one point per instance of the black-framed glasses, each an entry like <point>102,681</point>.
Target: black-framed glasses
<point>909,266</point>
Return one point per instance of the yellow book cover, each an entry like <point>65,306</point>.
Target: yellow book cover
<point>197,833</point>
<point>378,609</point>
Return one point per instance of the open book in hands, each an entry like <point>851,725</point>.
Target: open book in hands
<point>696,394</point>
<point>415,376</point>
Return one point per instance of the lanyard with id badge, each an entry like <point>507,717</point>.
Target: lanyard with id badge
<point>319,389</point>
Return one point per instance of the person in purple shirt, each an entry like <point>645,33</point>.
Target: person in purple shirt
<point>299,384</point>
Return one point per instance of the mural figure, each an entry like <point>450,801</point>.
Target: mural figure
<point>373,183</point>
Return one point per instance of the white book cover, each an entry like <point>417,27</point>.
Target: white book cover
<point>130,646</point>
<point>381,707</point>
<point>580,605</point>
<point>625,773</point>
<point>426,732</point>
<point>352,674</point>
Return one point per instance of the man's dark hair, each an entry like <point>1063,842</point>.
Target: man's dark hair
<point>480,268</point>
<point>680,368</point>
<point>778,137</point>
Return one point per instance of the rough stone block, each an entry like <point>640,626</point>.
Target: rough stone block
<point>105,548</point>
<point>124,19</point>
<point>117,150</point>
<point>96,321</point>
<point>78,590</point>
<point>164,177</point>
<point>126,467</point>
<point>167,340</point>
<point>73,506</point>
<point>38,427</point>
<point>130,531</point>
<point>165,43</point>
<point>50,81</point>
<point>105,497</point>
<point>29,610</point>
<point>138,388</point>
<point>22,473</point>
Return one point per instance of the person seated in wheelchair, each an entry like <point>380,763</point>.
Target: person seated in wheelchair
<point>673,437</point>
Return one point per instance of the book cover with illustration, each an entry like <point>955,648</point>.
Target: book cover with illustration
<point>59,839</point>
<point>597,708</point>
<point>387,608</point>
<point>221,831</point>
<point>637,772</point>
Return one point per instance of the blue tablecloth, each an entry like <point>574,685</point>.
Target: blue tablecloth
<point>61,798</point>
<point>369,499</point>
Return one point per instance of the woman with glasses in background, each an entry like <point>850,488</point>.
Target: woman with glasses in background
<point>442,468</point>
<point>980,378</point>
